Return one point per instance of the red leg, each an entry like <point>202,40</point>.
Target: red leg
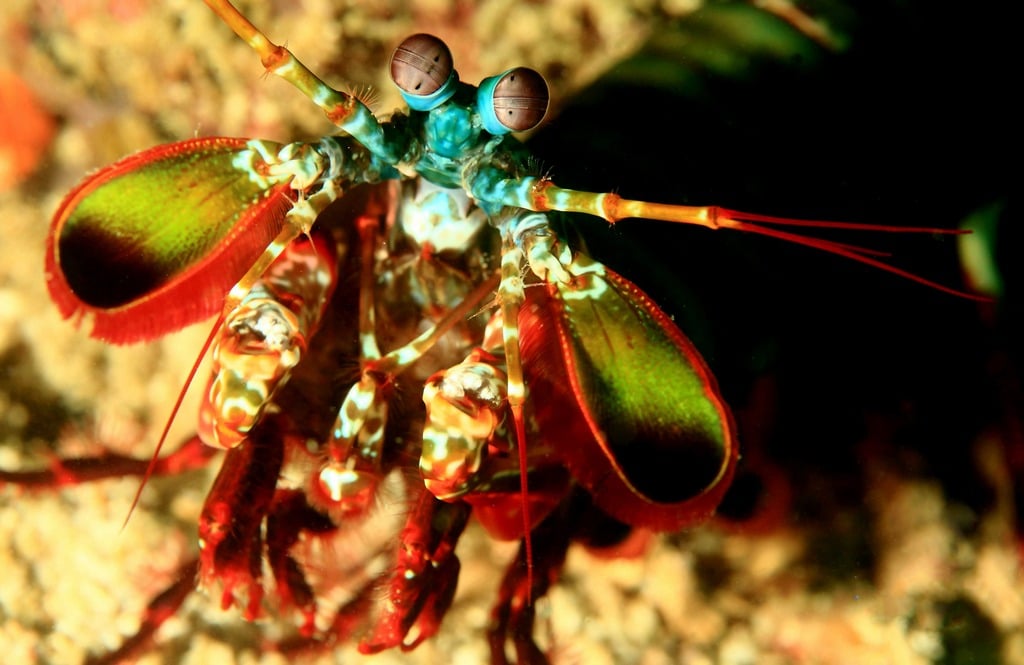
<point>159,610</point>
<point>62,472</point>
<point>230,524</point>
<point>423,581</point>
<point>348,621</point>
<point>290,516</point>
<point>513,615</point>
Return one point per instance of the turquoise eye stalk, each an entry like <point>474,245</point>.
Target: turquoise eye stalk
<point>512,102</point>
<point>422,69</point>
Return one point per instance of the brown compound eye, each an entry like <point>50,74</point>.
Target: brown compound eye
<point>421,66</point>
<point>519,99</point>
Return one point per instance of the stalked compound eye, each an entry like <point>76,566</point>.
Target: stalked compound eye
<point>513,102</point>
<point>422,69</point>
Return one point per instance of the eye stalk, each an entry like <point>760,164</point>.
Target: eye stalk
<point>512,102</point>
<point>422,69</point>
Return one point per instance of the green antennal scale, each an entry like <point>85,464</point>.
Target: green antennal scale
<point>185,218</point>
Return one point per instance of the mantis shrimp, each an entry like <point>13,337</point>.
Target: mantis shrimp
<point>485,308</point>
